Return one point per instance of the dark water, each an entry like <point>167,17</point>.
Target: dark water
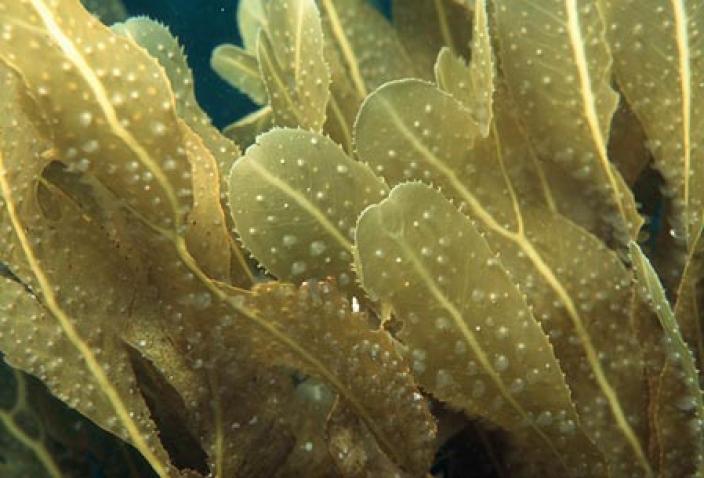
<point>201,25</point>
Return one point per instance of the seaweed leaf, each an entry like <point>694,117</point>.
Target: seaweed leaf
<point>344,101</point>
<point>469,331</point>
<point>362,365</point>
<point>656,49</point>
<point>292,65</point>
<point>240,69</point>
<point>471,85</point>
<point>119,269</point>
<point>678,404</point>
<point>363,52</point>
<point>89,348</point>
<point>145,170</point>
<point>353,448</point>
<point>410,130</point>
<point>144,165</point>
<point>426,26</point>
<point>689,300</point>
<point>158,41</point>
<point>208,237</point>
<point>245,130</point>
<point>183,339</point>
<point>321,192</point>
<point>366,44</point>
<point>251,18</point>
<point>557,64</point>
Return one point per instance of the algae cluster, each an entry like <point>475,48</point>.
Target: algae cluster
<point>431,223</point>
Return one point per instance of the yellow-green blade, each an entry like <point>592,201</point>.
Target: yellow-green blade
<point>426,26</point>
<point>657,48</point>
<point>251,18</point>
<point>363,52</point>
<point>207,236</point>
<point>473,340</point>
<point>120,104</point>
<point>409,130</point>
<point>451,73</point>
<point>678,407</point>
<point>688,307</point>
<point>295,198</point>
<point>60,257</point>
<point>245,130</point>
<point>210,154</point>
<point>147,176</point>
<point>292,64</point>
<point>130,112</point>
<point>165,48</point>
<point>367,45</point>
<point>240,69</point>
<point>557,65</point>
<point>473,84</point>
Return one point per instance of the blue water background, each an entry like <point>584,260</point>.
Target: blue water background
<point>201,25</point>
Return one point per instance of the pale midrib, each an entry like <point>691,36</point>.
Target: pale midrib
<point>440,78</point>
<point>301,351</point>
<point>589,349</point>
<point>688,288</point>
<point>444,26</point>
<point>182,249</point>
<point>544,185</point>
<point>342,121</point>
<point>589,101</point>
<point>685,75</point>
<point>302,201</point>
<point>257,15</point>
<point>669,323</point>
<point>523,243</point>
<point>239,65</point>
<point>219,432</point>
<point>474,344</point>
<point>185,256</point>
<point>39,451</point>
<point>265,58</point>
<point>509,184</point>
<point>254,118</point>
<point>72,334</point>
<point>445,170</point>
<point>481,43</point>
<point>299,40</point>
<point>101,96</point>
<point>347,52</point>
<point>327,375</point>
